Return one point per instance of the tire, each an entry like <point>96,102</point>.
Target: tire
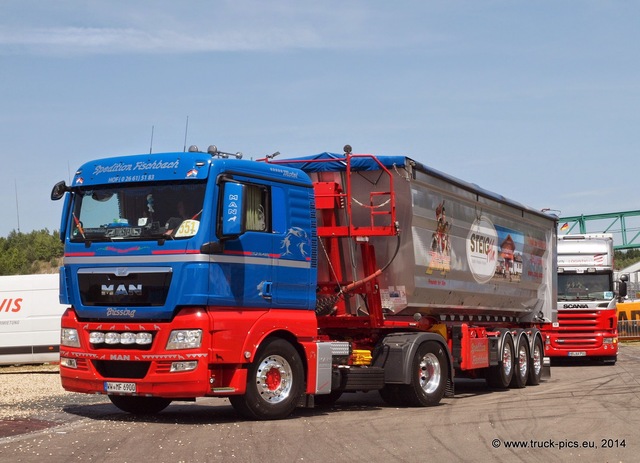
<point>429,375</point>
<point>326,400</point>
<point>535,369</point>
<point>392,394</point>
<point>275,382</point>
<point>139,405</point>
<point>499,376</point>
<point>521,364</point>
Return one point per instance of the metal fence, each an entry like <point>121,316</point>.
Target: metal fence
<point>629,330</point>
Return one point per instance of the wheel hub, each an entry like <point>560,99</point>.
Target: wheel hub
<point>274,379</point>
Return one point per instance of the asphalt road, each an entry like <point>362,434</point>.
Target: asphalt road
<point>585,412</point>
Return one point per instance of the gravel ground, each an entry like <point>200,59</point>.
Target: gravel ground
<point>23,387</point>
<point>31,398</point>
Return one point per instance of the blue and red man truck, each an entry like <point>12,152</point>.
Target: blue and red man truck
<point>287,283</point>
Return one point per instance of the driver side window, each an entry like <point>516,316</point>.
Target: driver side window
<point>257,209</point>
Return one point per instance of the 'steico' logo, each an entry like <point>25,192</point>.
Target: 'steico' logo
<point>482,249</point>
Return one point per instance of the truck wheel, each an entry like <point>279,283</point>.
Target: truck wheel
<point>429,374</point>
<point>392,394</point>
<point>274,384</point>
<point>139,405</point>
<point>535,369</point>
<point>521,371</point>
<point>327,400</point>
<point>499,376</point>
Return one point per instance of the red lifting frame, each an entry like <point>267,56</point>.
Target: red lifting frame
<point>322,197</point>
<point>330,197</point>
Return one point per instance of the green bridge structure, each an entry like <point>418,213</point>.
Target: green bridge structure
<point>624,226</point>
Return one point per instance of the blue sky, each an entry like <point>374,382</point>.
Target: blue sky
<point>537,101</point>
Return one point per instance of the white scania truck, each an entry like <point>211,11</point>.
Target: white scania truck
<point>587,321</point>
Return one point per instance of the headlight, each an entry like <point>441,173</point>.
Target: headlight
<point>608,341</point>
<point>184,339</point>
<point>69,337</point>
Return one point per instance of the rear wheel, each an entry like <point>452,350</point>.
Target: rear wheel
<point>274,384</point>
<point>429,376</point>
<point>139,405</point>
<point>500,376</point>
<point>535,369</point>
<point>521,371</point>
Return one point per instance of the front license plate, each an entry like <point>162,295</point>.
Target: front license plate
<point>126,388</point>
<point>577,354</point>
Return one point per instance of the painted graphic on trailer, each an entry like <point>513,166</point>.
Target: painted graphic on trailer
<point>440,250</point>
<point>494,252</point>
<point>510,262</point>
<point>482,249</point>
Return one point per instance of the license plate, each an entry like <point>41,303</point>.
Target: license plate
<point>577,354</point>
<point>126,388</point>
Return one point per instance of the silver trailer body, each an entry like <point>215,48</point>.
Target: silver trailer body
<point>464,253</point>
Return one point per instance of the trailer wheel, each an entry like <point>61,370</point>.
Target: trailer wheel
<point>535,369</point>
<point>429,376</point>
<point>137,405</point>
<point>499,376</point>
<point>274,384</point>
<point>521,364</point>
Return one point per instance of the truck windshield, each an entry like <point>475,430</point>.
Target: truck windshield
<point>137,211</point>
<point>574,286</point>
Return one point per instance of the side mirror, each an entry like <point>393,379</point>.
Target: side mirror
<point>58,191</point>
<point>622,287</point>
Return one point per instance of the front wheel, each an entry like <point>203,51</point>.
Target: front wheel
<point>275,383</point>
<point>137,405</point>
<point>429,376</point>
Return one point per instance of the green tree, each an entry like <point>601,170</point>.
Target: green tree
<point>39,251</point>
<point>625,258</point>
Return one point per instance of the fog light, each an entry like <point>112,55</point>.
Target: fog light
<point>96,337</point>
<point>112,338</point>
<point>128,338</point>
<point>69,363</point>
<point>144,338</point>
<point>184,366</point>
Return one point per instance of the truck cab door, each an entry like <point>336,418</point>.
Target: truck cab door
<point>242,274</point>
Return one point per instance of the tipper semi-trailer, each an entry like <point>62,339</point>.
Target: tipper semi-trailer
<point>287,283</point>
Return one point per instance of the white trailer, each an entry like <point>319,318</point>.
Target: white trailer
<point>30,313</point>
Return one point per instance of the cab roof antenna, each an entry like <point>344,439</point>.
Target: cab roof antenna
<point>186,129</point>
